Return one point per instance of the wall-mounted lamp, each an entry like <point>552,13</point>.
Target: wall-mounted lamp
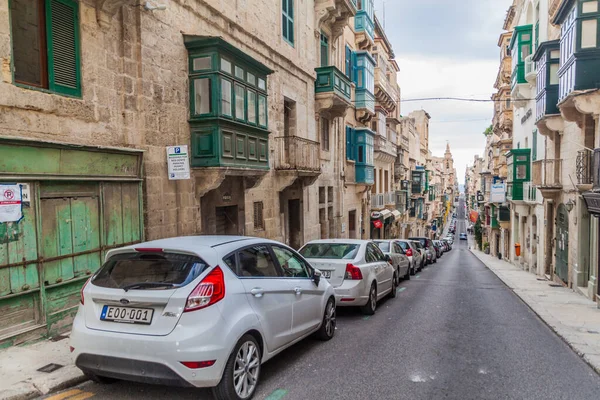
<point>148,6</point>
<point>570,204</point>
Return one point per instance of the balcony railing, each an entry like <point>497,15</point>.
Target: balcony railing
<point>389,198</point>
<point>529,192</point>
<point>404,142</point>
<point>584,167</point>
<point>385,146</point>
<point>546,173</point>
<point>530,70</point>
<point>296,153</point>
<point>377,201</point>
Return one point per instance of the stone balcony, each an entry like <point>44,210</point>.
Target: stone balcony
<point>334,15</point>
<point>386,92</point>
<point>298,155</point>
<point>385,150</point>
<point>546,175</point>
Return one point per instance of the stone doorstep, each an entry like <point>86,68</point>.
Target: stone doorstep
<point>583,344</point>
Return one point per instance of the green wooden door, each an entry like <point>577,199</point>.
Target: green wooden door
<point>562,243</point>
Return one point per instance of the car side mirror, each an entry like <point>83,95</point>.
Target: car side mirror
<point>388,258</point>
<point>316,276</point>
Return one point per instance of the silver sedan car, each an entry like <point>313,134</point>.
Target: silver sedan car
<point>359,272</point>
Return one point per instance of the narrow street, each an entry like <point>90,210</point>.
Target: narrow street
<point>454,331</point>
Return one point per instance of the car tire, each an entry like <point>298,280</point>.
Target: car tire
<point>394,287</point>
<point>407,276</point>
<point>225,390</point>
<point>102,380</point>
<point>371,306</point>
<point>327,329</point>
<point>413,269</point>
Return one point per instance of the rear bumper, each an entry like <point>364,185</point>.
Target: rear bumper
<point>352,293</point>
<point>130,370</point>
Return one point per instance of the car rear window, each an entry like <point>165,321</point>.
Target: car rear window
<point>149,271</point>
<point>384,246</point>
<point>405,246</point>
<point>336,251</point>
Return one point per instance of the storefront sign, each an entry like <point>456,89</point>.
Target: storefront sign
<point>527,115</point>
<point>226,197</point>
<point>498,194</point>
<point>179,162</point>
<point>10,203</point>
<point>375,215</point>
<point>377,224</point>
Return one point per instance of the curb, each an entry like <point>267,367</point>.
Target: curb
<point>26,390</point>
<point>554,329</point>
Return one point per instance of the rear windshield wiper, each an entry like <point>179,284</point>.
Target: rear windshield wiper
<point>141,285</point>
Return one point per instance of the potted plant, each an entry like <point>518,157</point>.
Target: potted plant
<point>486,247</point>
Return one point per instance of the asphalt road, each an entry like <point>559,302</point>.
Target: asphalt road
<point>454,332</point>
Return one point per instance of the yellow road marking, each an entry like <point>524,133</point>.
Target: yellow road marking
<point>74,394</point>
<point>82,396</point>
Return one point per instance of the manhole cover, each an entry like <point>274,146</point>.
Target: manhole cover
<point>50,368</point>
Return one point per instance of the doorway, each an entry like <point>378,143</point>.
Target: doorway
<point>562,243</point>
<point>226,220</point>
<point>295,223</point>
<point>352,224</point>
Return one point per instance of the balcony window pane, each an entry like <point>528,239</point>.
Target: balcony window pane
<point>525,37</point>
<point>589,33</point>
<point>262,110</point>
<point>262,84</point>
<point>202,96</point>
<point>589,7</point>
<point>521,171</point>
<point>251,107</point>
<point>225,65</point>
<point>202,63</point>
<point>361,154</point>
<point>554,74</point>
<point>555,54</point>
<point>250,78</point>
<point>239,72</point>
<point>225,97</point>
<point>240,94</point>
<point>525,51</point>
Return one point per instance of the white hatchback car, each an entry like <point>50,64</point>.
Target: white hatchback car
<point>203,311</point>
<point>358,270</point>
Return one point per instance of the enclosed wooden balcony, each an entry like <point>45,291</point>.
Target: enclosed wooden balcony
<point>333,91</point>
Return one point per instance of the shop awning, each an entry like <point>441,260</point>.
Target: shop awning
<point>385,214</point>
<point>396,215</point>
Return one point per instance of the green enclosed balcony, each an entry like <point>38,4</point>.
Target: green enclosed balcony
<point>228,106</point>
<point>519,172</point>
<point>364,24</point>
<point>521,49</point>
<point>333,91</point>
<point>580,46</point>
<point>547,58</point>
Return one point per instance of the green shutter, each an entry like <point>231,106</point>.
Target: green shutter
<point>62,30</point>
<point>287,20</point>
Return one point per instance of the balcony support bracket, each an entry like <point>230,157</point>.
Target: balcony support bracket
<point>549,125</point>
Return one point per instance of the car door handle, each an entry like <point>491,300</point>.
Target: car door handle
<point>257,292</point>
<point>298,290</point>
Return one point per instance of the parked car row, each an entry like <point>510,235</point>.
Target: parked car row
<point>208,311</point>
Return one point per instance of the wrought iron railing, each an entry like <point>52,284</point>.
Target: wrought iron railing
<point>584,167</point>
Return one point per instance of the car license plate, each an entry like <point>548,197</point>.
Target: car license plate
<point>326,274</point>
<point>127,315</point>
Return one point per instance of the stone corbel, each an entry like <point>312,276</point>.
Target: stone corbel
<point>107,9</point>
<point>207,180</point>
<point>576,106</point>
<point>551,125</point>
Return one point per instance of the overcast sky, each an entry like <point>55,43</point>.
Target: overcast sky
<point>447,48</point>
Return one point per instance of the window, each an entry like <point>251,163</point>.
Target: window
<point>554,74</point>
<point>240,100</point>
<point>262,84</point>
<point>370,254</point>
<point>350,155</point>
<point>398,249</point>
<point>348,62</point>
<point>256,261</point>
<point>332,251</point>
<point>262,110</point>
<point>226,97</point>
<point>239,73</point>
<point>291,265</point>
<point>589,7</point>
<point>202,96</point>
<point>251,107</point>
<point>521,171</point>
<point>324,50</point>
<point>225,65</point>
<point>361,154</point>
<point>589,33</point>
<point>45,35</point>
<point>325,134</point>
<point>202,63</point>
<point>250,78</point>
<point>507,103</point>
<point>534,145</point>
<point>384,246</point>
<point>287,18</point>
<point>259,223</point>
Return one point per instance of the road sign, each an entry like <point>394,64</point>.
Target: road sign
<point>11,207</point>
<point>179,162</point>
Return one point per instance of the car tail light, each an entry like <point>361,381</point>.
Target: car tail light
<point>198,364</point>
<point>81,298</point>
<point>208,292</point>
<point>409,252</point>
<point>353,272</point>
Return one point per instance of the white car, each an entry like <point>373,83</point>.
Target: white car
<point>413,254</point>
<point>199,311</point>
<point>399,259</point>
<point>359,272</point>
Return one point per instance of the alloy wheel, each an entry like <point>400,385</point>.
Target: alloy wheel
<point>246,369</point>
<point>330,321</point>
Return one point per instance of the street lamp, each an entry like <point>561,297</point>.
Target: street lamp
<point>570,204</point>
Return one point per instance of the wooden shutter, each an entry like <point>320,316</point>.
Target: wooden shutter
<point>62,30</point>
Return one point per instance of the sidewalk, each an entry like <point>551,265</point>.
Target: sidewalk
<point>19,369</point>
<point>573,317</point>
